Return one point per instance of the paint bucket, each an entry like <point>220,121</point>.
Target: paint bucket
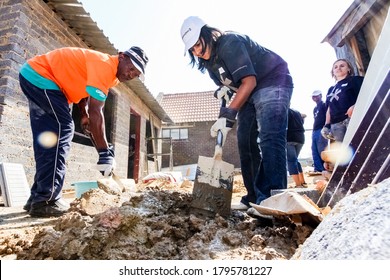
<point>82,187</point>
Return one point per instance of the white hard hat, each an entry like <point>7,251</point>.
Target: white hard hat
<point>316,93</point>
<point>190,31</point>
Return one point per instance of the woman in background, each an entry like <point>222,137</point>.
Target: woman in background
<point>340,100</point>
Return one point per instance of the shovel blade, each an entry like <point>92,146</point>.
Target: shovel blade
<point>213,186</point>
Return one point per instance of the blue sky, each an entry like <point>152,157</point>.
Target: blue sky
<point>293,29</point>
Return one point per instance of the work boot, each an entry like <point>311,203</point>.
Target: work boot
<point>27,206</point>
<point>49,209</point>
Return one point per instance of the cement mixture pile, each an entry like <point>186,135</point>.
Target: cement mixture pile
<point>156,222</point>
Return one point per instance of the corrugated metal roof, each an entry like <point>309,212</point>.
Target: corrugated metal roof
<point>191,107</point>
<point>73,13</point>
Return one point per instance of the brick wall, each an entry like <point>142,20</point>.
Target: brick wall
<point>200,143</point>
<point>28,28</point>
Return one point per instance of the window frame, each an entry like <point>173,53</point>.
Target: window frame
<point>182,133</point>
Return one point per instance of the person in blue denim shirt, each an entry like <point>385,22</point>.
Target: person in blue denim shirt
<point>318,143</point>
<point>340,100</point>
<point>262,86</point>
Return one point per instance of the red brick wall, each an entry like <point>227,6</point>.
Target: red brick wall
<point>200,143</point>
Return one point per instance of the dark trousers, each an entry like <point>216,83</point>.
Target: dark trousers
<point>49,112</point>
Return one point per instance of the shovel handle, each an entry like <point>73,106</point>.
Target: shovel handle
<point>220,134</point>
<point>219,138</point>
<point>218,146</point>
<point>92,140</point>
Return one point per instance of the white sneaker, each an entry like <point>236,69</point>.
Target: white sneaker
<point>62,203</point>
<point>240,206</point>
<point>253,212</point>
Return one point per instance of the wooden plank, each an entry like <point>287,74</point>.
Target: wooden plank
<point>354,18</point>
<point>154,144</point>
<point>384,172</point>
<point>374,162</point>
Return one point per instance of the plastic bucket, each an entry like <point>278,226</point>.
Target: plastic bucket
<point>82,187</point>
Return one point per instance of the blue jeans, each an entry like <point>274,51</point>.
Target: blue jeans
<point>318,144</point>
<point>339,129</point>
<point>49,111</point>
<point>293,150</point>
<point>261,136</point>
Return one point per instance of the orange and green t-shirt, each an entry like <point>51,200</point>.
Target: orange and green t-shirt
<point>77,72</point>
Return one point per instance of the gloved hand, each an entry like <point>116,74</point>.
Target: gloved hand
<point>326,132</point>
<point>224,93</point>
<point>106,163</point>
<point>225,122</point>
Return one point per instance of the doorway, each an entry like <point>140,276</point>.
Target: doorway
<point>134,146</point>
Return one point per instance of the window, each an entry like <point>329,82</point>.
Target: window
<point>175,133</point>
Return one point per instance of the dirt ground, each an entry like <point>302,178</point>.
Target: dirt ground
<point>152,222</point>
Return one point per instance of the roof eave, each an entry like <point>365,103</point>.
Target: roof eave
<point>74,15</point>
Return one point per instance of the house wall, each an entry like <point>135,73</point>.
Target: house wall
<point>28,28</point>
<point>200,143</point>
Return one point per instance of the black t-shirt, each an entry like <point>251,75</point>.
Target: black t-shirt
<point>236,56</point>
<point>319,113</point>
<point>342,96</point>
<point>295,130</point>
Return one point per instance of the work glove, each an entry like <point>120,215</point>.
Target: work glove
<point>225,122</point>
<point>106,163</point>
<point>224,93</point>
<point>326,132</point>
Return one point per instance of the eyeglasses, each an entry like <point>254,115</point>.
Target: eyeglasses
<point>197,44</point>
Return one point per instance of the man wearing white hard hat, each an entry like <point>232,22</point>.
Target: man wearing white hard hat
<point>51,82</point>
<point>262,88</point>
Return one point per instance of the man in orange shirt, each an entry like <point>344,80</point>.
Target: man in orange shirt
<point>51,82</point>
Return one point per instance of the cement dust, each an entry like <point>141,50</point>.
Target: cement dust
<point>153,223</point>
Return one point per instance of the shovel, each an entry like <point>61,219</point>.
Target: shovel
<point>212,192</point>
